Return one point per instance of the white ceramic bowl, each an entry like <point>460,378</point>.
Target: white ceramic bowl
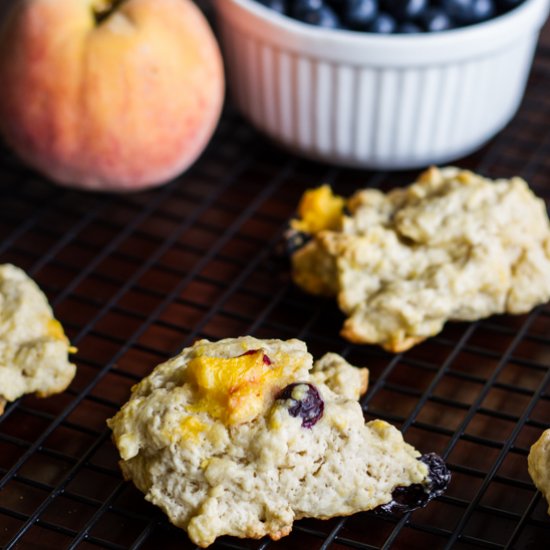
<point>377,101</point>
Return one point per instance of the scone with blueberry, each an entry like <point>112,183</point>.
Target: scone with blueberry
<point>33,347</point>
<point>243,436</point>
<point>452,246</point>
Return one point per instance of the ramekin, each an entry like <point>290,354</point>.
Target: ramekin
<point>377,101</point>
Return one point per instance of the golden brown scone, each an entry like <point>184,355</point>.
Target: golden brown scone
<point>244,436</point>
<point>451,246</point>
<point>33,347</point>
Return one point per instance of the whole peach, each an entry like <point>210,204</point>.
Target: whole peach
<point>109,94</point>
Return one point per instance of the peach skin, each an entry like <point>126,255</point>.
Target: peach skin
<point>109,95</point>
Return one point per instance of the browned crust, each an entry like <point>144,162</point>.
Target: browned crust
<point>285,531</point>
<point>58,389</point>
<point>364,381</point>
<point>402,345</point>
<point>253,534</point>
<point>394,345</point>
<point>43,393</point>
<point>122,465</point>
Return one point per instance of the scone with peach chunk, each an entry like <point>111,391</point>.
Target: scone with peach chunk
<point>243,436</point>
<point>451,246</point>
<point>33,347</point>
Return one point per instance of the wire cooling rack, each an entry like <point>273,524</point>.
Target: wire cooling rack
<point>135,278</point>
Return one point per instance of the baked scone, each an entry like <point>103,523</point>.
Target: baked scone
<point>243,436</point>
<point>33,347</point>
<point>451,246</point>
<point>538,463</point>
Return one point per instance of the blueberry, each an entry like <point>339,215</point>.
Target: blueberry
<point>405,10</point>
<point>483,10</point>
<point>325,17</point>
<point>440,476</point>
<point>291,241</point>
<point>435,20</point>
<point>279,6</point>
<point>315,12</point>
<point>338,5</point>
<point>384,23</point>
<point>303,401</point>
<point>417,495</point>
<point>408,28</point>
<point>294,240</point>
<point>301,9</point>
<point>507,5</point>
<point>306,5</point>
<point>466,12</point>
<point>357,14</point>
<point>328,18</point>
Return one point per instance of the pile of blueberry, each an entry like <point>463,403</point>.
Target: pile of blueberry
<point>391,16</point>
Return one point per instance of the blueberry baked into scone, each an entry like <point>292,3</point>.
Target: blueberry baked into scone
<point>538,463</point>
<point>244,436</point>
<point>33,347</point>
<point>452,246</point>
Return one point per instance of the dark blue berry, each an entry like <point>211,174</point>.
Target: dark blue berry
<point>328,18</point>
<point>294,240</point>
<point>384,23</point>
<point>417,495</point>
<point>324,17</point>
<point>279,6</point>
<point>303,401</point>
<point>301,9</point>
<point>435,20</point>
<point>483,10</point>
<point>306,5</point>
<point>439,475</point>
<point>408,28</point>
<point>357,14</point>
<point>507,5</point>
<point>405,10</point>
<point>466,12</point>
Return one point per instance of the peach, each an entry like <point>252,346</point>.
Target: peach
<point>109,94</point>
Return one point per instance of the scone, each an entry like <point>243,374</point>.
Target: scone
<point>243,436</point>
<point>33,347</point>
<point>538,463</point>
<point>451,246</point>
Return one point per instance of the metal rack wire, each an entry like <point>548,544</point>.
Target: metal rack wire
<point>135,278</point>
